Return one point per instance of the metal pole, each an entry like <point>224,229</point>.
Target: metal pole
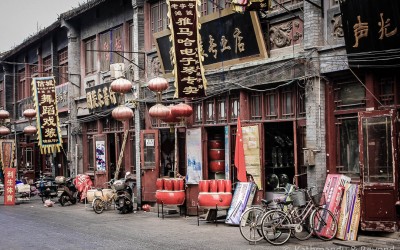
<point>76,159</point>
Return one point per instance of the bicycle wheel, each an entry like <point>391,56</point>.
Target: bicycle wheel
<point>250,224</point>
<point>324,224</point>
<point>98,206</point>
<point>302,230</point>
<point>275,227</point>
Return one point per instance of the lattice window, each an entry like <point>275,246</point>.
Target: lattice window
<point>301,100</point>
<point>234,107</point>
<point>287,103</point>
<point>158,17</point>
<point>210,112</point>
<point>222,110</point>
<point>349,95</point>
<point>47,66</point>
<point>90,55</point>
<point>271,105</point>
<point>256,106</point>
<point>198,113</point>
<point>386,90</point>
<point>63,66</point>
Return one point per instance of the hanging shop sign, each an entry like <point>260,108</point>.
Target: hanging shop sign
<point>186,48</point>
<point>100,97</point>
<point>47,120</point>
<point>7,149</point>
<point>227,38</point>
<point>9,186</point>
<point>371,31</point>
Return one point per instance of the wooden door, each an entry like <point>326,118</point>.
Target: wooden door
<point>378,165</point>
<point>150,163</point>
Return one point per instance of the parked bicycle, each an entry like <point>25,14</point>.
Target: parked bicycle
<point>105,200</point>
<point>251,218</point>
<point>306,218</point>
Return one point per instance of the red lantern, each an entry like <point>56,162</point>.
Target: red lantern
<point>158,84</point>
<point>182,110</point>
<point>30,130</point>
<point>121,85</point>
<point>122,113</point>
<point>159,111</point>
<point>4,130</point>
<point>170,118</point>
<point>4,114</point>
<point>29,113</point>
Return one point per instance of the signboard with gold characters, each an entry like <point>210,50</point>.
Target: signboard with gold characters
<point>47,120</point>
<point>100,97</point>
<point>186,48</point>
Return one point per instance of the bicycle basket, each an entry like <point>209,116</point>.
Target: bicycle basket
<point>298,198</point>
<point>319,199</point>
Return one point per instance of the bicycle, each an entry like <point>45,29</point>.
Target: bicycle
<point>250,220</point>
<point>104,201</point>
<point>310,218</point>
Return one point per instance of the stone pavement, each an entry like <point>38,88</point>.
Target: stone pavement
<point>177,229</point>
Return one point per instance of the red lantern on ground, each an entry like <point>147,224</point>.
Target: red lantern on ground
<point>121,85</point>
<point>159,111</point>
<point>158,84</point>
<point>29,113</point>
<point>122,113</point>
<point>4,130</point>
<point>4,114</point>
<point>182,110</point>
<point>30,130</point>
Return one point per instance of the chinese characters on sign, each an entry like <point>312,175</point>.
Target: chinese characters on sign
<point>186,48</point>
<point>99,97</point>
<point>7,148</point>
<point>9,186</point>
<point>240,40</point>
<point>48,124</point>
<point>371,26</point>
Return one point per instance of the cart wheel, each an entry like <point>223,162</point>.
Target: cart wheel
<point>62,200</point>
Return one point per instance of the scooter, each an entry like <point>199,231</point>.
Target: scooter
<point>67,191</point>
<point>47,188</point>
<point>124,200</point>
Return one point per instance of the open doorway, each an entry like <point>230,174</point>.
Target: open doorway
<point>279,155</point>
<point>167,153</point>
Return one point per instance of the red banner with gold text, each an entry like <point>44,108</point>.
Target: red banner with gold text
<point>9,186</point>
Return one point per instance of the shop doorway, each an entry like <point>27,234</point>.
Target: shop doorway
<point>216,153</point>
<point>378,165</point>
<point>167,153</point>
<point>111,157</point>
<point>279,155</point>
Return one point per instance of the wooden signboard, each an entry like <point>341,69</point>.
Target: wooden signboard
<point>349,217</point>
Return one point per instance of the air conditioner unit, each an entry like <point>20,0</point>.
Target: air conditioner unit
<point>117,70</point>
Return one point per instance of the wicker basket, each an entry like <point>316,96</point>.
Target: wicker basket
<point>298,198</point>
<point>319,199</point>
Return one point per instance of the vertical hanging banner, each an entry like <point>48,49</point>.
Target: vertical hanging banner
<point>47,120</point>
<point>9,186</point>
<point>186,48</point>
<point>7,148</point>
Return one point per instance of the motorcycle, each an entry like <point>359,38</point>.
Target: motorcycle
<point>47,188</point>
<point>124,199</point>
<point>67,191</point>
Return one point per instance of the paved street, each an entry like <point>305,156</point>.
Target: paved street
<point>30,225</point>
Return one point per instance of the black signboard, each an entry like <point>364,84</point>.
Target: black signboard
<point>372,32</point>
<point>100,97</point>
<point>228,38</point>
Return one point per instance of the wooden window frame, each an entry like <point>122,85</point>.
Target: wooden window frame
<point>47,66</point>
<point>269,114</point>
<point>90,56</point>
<point>234,107</point>
<point>221,101</point>
<point>158,18</point>
<point>339,102</point>
<point>63,66</point>
<point>387,99</point>
<point>198,113</point>
<point>256,104</point>
<point>210,111</point>
<point>284,97</point>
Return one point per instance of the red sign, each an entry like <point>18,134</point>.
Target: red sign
<point>9,186</point>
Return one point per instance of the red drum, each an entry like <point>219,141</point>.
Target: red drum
<point>213,186</point>
<point>175,183</point>
<point>216,144</point>
<point>168,185</point>
<point>203,186</point>
<point>228,186</point>
<point>160,184</point>
<point>216,154</point>
<point>217,166</point>
<point>221,186</point>
<point>181,184</point>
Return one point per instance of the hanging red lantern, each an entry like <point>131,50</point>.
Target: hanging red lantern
<point>30,130</point>
<point>159,111</point>
<point>4,114</point>
<point>121,85</point>
<point>29,113</point>
<point>4,130</point>
<point>122,113</point>
<point>182,110</point>
<point>158,84</point>
<point>170,118</point>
